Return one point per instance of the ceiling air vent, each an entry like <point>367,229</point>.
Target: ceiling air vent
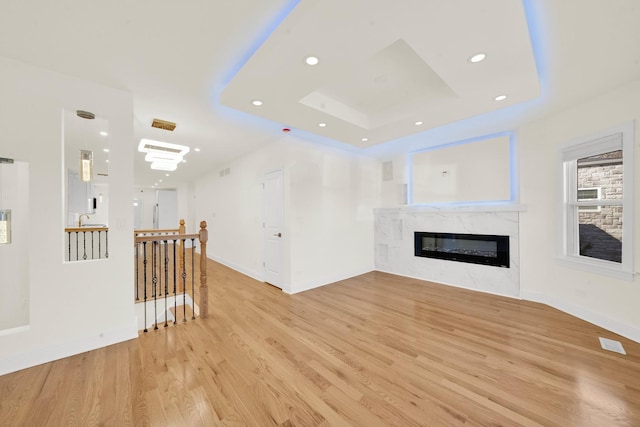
<point>163,124</point>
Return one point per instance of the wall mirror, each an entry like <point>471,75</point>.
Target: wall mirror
<point>86,168</point>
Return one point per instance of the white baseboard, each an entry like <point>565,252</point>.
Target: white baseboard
<point>253,274</point>
<point>598,319</point>
<point>326,281</point>
<point>449,284</point>
<point>39,356</point>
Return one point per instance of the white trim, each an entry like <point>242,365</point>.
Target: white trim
<point>473,207</point>
<point>16,330</point>
<point>619,137</point>
<point>39,356</point>
<point>326,281</point>
<point>624,329</point>
<point>157,306</point>
<point>597,266</point>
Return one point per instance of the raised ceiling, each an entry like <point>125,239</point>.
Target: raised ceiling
<point>383,68</point>
<point>176,59</point>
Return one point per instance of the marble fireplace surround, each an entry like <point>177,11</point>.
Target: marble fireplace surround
<point>394,244</point>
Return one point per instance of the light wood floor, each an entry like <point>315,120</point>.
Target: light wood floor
<point>373,350</point>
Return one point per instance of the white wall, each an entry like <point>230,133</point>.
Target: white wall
<point>475,171</point>
<point>329,199</point>
<point>332,196</point>
<point>608,302</point>
<point>64,315</point>
<point>14,257</point>
<point>603,300</point>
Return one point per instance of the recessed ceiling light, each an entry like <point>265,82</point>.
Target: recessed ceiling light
<point>106,150</point>
<point>500,97</point>
<point>418,123</point>
<point>196,149</point>
<point>311,60</point>
<point>477,57</point>
<point>159,180</point>
<point>322,125</point>
<point>256,102</point>
<point>166,174</point>
<point>107,160</point>
<point>103,133</point>
<point>364,139</point>
<point>184,161</point>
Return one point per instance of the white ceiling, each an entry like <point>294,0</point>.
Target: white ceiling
<point>177,58</point>
<point>383,68</point>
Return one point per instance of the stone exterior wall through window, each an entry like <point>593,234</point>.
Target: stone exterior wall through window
<point>600,227</point>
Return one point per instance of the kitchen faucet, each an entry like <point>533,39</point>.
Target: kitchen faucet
<point>80,219</point>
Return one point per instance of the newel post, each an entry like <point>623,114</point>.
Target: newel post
<point>204,290</point>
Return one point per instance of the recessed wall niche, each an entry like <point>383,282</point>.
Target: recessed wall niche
<point>470,171</point>
<point>14,254</point>
<point>86,168</point>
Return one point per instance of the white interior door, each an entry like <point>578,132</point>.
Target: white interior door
<point>138,209</point>
<point>273,228</point>
<point>166,211</point>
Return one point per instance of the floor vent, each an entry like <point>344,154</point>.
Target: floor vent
<point>611,345</point>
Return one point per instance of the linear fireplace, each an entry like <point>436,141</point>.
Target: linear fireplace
<point>473,248</point>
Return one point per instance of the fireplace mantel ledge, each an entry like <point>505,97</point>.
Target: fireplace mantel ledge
<point>510,207</point>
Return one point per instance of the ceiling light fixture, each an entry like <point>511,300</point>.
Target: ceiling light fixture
<point>256,102</point>
<point>166,174</point>
<point>196,149</point>
<point>322,125</point>
<point>311,60</point>
<point>364,139</point>
<point>477,57</point>
<point>162,155</point>
<point>86,155</point>
<point>418,123</point>
<point>106,150</point>
<point>500,97</point>
<point>103,133</point>
<point>164,166</point>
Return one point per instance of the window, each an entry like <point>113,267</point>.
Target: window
<point>597,202</point>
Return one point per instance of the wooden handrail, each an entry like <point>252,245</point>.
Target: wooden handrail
<point>77,230</point>
<point>157,231</point>
<point>166,237</point>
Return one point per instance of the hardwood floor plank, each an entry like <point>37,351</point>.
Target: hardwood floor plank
<point>376,349</point>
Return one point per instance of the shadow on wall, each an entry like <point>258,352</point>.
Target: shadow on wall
<point>597,243</point>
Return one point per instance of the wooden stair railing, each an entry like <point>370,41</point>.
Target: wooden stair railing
<point>160,256</point>
<point>182,229</point>
<point>86,243</point>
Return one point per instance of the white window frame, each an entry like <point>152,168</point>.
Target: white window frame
<point>620,137</point>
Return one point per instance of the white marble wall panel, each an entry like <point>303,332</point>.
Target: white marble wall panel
<point>394,239</point>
